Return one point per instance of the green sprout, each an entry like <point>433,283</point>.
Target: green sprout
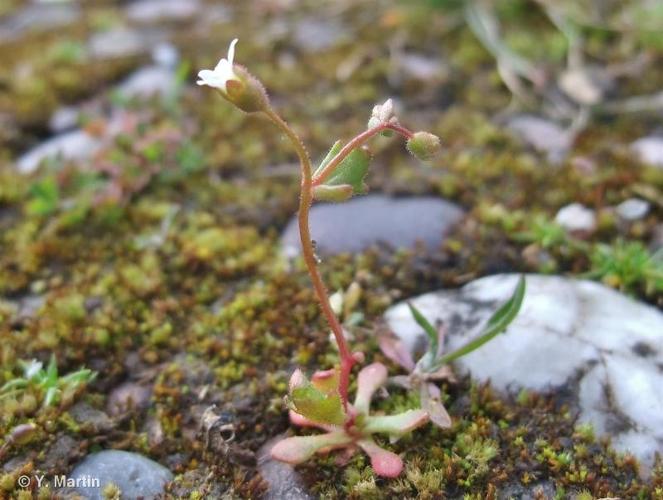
<point>543,232</point>
<point>624,265</point>
<point>46,381</point>
<point>433,365</point>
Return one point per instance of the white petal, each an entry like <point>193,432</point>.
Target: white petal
<point>220,64</point>
<point>211,78</point>
<point>231,51</point>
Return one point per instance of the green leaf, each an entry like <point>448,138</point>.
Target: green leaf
<point>333,193</point>
<point>45,197</point>
<point>51,396</point>
<point>52,371</point>
<point>82,376</point>
<point>351,171</point>
<point>427,327</point>
<point>496,325</point>
<point>316,405</point>
<point>333,151</point>
<point>17,383</point>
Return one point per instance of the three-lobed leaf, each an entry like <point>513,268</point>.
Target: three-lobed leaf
<point>316,405</point>
<point>351,173</point>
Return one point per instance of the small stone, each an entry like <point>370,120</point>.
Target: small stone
<point>29,306</point>
<point>165,55</point>
<point>657,238</point>
<point>283,481</point>
<point>572,334</point>
<point>314,35</point>
<point>358,224</point>
<point>92,420</point>
<point>649,150</point>
<point>576,218</point>
<point>64,118</point>
<point>135,475</point>
<point>118,42</point>
<point>151,11</point>
<point>74,145</point>
<point>543,135</point>
<point>149,81</point>
<point>583,86</point>
<point>421,68</point>
<point>633,209</point>
<point>126,397</point>
<point>38,18</point>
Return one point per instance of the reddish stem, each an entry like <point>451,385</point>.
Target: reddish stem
<point>305,201</point>
<point>354,144</point>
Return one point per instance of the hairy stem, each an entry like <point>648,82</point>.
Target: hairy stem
<point>305,201</point>
<point>354,144</point>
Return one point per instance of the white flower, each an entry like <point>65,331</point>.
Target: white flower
<point>223,72</point>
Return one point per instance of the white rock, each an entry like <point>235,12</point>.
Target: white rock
<point>569,333</point>
<point>64,118</point>
<point>118,42</point>
<point>633,209</point>
<point>419,67</point>
<point>74,145</point>
<point>150,11</point>
<point>581,86</point>
<point>649,150</point>
<point>166,55</point>
<point>576,217</point>
<point>148,81</point>
<point>543,135</point>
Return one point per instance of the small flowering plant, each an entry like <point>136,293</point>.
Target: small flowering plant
<point>433,365</point>
<point>323,401</point>
<point>317,403</point>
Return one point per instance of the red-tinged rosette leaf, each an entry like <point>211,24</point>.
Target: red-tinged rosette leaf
<point>432,405</point>
<point>298,449</point>
<point>395,425</point>
<point>369,380</point>
<point>327,381</point>
<point>395,350</point>
<point>384,462</point>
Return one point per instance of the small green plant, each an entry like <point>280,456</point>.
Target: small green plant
<point>625,264</point>
<point>44,197</point>
<point>46,382</point>
<point>434,364</point>
<point>544,232</point>
<point>323,400</point>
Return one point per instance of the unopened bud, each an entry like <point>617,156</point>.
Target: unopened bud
<point>382,113</point>
<point>424,146</point>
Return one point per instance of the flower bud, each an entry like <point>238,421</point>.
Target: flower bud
<point>382,113</point>
<point>424,146</point>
